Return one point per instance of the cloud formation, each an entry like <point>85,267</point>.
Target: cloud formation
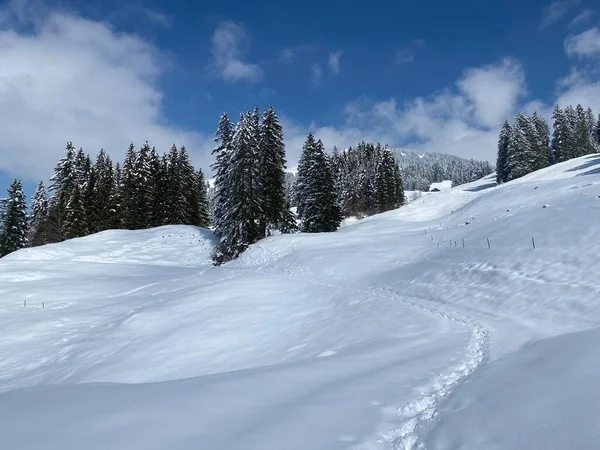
<point>316,74</point>
<point>228,48</point>
<point>334,62</point>
<point>555,11</point>
<point>582,17</point>
<point>70,78</point>
<point>583,44</point>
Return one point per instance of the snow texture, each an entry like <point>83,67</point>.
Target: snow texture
<point>392,333</point>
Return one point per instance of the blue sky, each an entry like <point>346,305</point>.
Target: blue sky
<point>437,76</point>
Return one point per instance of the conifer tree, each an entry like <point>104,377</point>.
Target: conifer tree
<point>130,189</point>
<point>105,207</point>
<point>503,143</point>
<point>63,181</point>
<point>199,203</point>
<point>583,139</point>
<point>14,226</point>
<point>521,156</point>
<point>39,217</point>
<point>317,199</point>
<point>540,142</point>
<point>272,172</point>
<point>222,152</point>
<point>561,137</point>
<point>239,225</point>
<point>597,134</point>
<point>75,219</point>
<point>159,187</point>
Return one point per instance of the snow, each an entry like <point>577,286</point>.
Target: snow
<point>387,334</point>
<point>445,185</point>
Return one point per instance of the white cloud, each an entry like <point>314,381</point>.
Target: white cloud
<point>228,45</point>
<point>555,11</point>
<point>74,79</point>
<point>464,122</point>
<point>334,62</point>
<point>493,90</point>
<point>316,74</point>
<point>583,44</point>
<point>582,17</point>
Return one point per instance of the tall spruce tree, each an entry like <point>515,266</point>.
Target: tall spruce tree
<point>159,186</point>
<point>200,209</point>
<point>317,199</point>
<point>222,152</point>
<point>75,220</point>
<point>239,225</point>
<point>597,134</point>
<point>39,217</point>
<point>64,179</point>
<point>583,139</point>
<point>14,226</point>
<point>540,142</point>
<point>272,172</point>
<point>561,137</point>
<point>501,161</point>
<point>521,156</point>
<point>105,206</point>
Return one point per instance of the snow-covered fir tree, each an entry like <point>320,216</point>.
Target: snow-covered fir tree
<point>597,133</point>
<point>317,199</point>
<point>14,225</point>
<point>239,191</point>
<point>540,142</point>
<point>222,153</point>
<point>200,209</point>
<point>561,137</point>
<point>520,154</point>
<point>104,211</point>
<point>39,216</point>
<point>76,224</point>
<point>501,162</point>
<point>583,133</point>
<point>272,173</point>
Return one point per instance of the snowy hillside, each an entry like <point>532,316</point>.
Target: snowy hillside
<point>361,339</point>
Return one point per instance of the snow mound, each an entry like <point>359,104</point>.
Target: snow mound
<point>171,245</point>
<point>438,323</point>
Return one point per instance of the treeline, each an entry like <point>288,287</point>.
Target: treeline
<point>420,169</point>
<point>367,180</point>
<point>252,196</point>
<point>253,193</point>
<point>526,145</point>
<point>86,197</point>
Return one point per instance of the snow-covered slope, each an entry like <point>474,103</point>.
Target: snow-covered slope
<point>361,339</point>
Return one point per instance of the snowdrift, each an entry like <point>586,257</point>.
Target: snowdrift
<point>437,324</point>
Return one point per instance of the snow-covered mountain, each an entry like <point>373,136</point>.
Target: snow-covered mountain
<point>435,325</point>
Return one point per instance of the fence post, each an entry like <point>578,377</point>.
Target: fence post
<point>25,303</point>
<point>488,241</point>
<point>463,243</point>
<point>43,305</point>
<point>533,243</point>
